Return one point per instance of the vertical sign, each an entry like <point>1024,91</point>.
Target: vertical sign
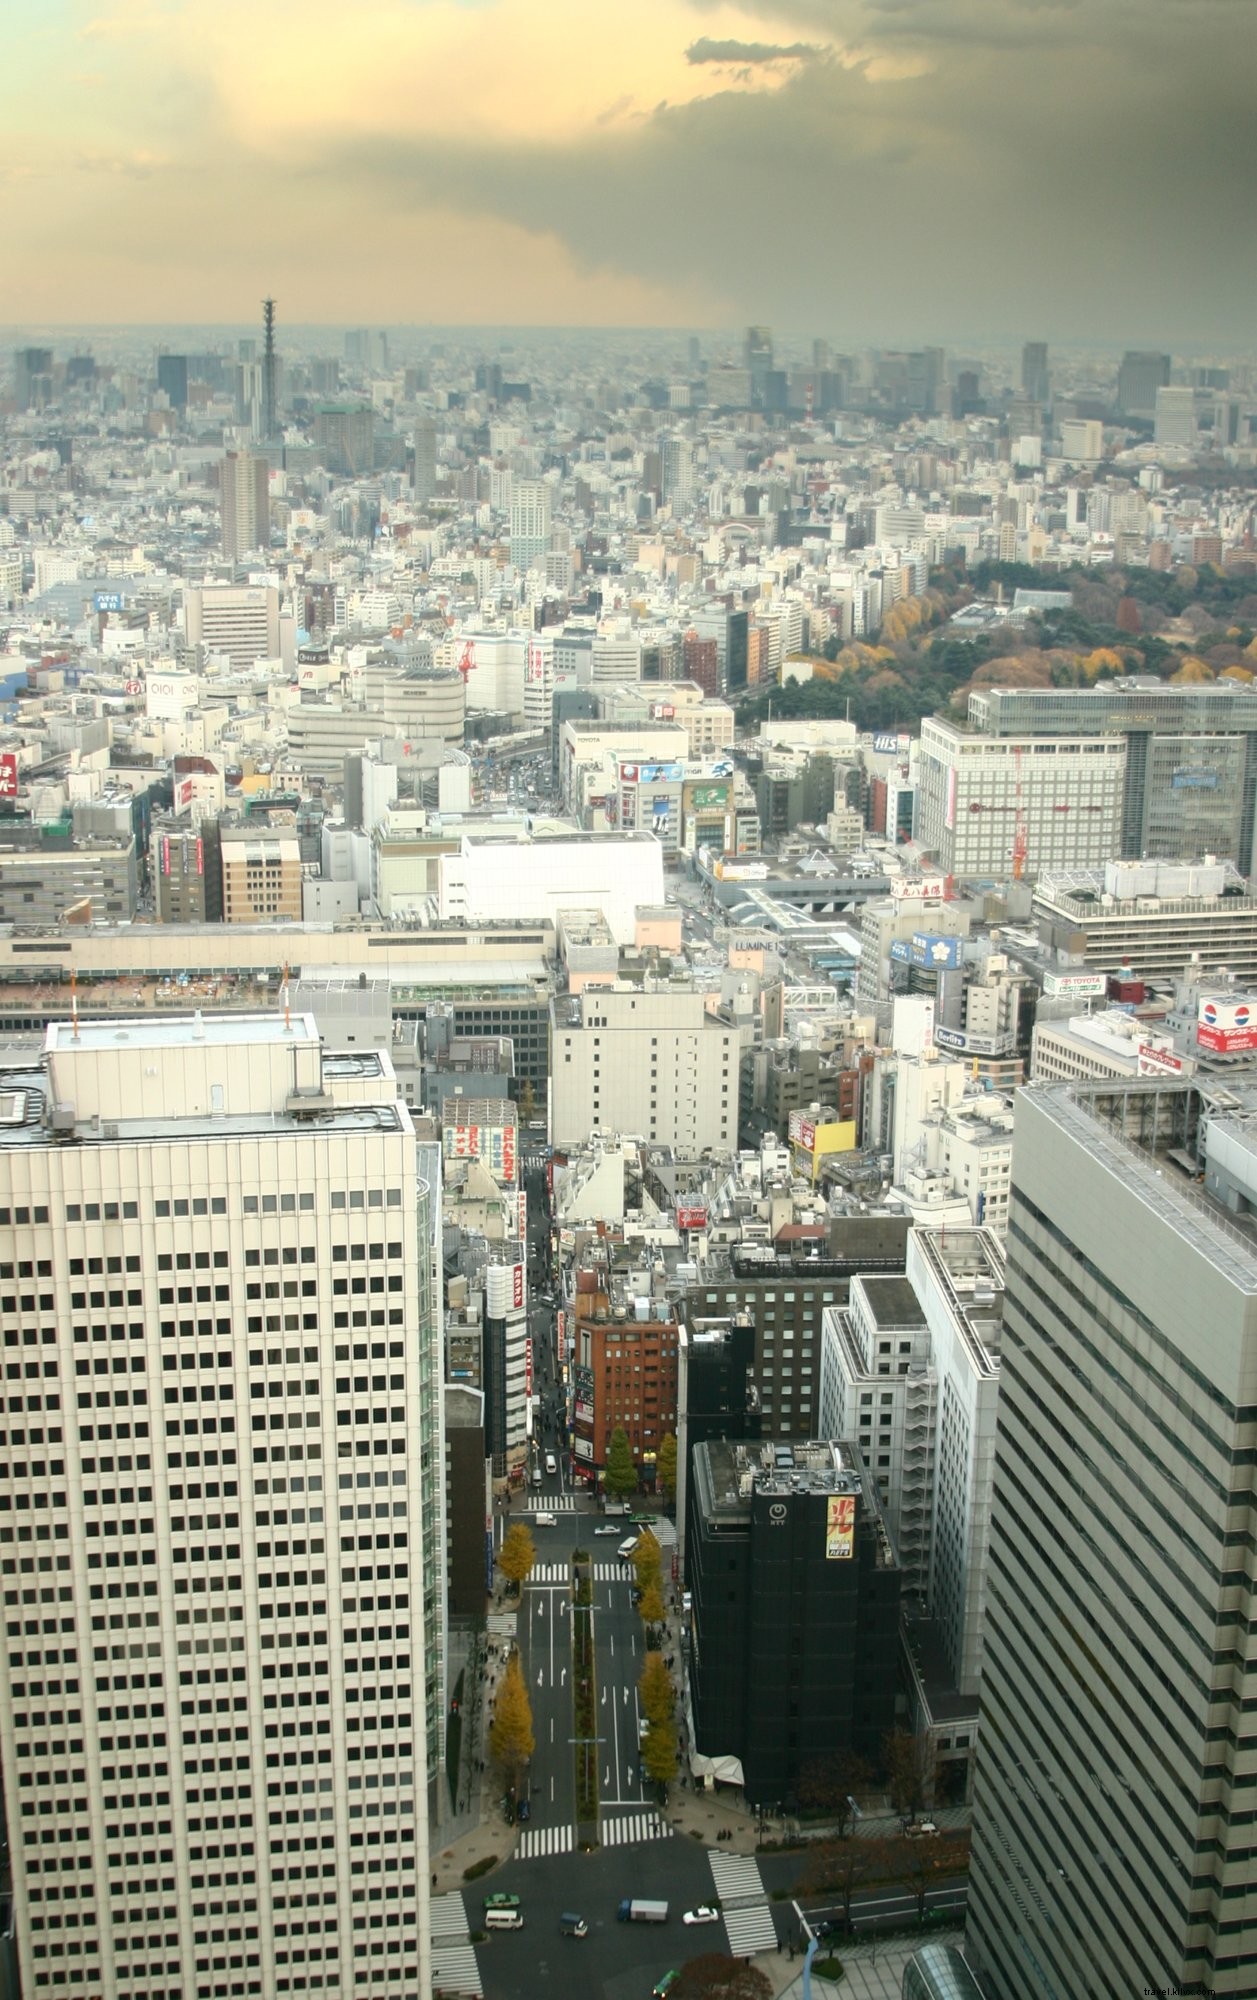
<point>840,1528</point>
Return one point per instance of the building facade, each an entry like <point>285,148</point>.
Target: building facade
<point>224,1445</point>
<point>1112,1814</point>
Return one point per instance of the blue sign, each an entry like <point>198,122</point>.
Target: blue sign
<point>885,743</point>
<point>927,949</point>
<point>108,600</point>
<point>1194,781</point>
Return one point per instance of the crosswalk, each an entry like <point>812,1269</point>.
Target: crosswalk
<point>630,1828</point>
<point>448,1916</point>
<point>562,1503</point>
<point>736,1876</point>
<point>744,1905</point>
<point>454,1969</point>
<point>537,1841</point>
<point>561,1572</point>
<point>750,1928</point>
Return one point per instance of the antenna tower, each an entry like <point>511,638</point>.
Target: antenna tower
<point>268,370</point>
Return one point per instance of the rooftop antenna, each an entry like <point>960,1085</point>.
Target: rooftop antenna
<point>268,369</point>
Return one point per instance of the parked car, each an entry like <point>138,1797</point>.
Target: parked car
<point>524,1810</point>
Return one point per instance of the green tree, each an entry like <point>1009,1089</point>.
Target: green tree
<point>666,1466</point>
<point>511,1741</point>
<point>527,1102</point>
<point>659,1753</point>
<point>655,1689</point>
<point>517,1554</point>
<point>827,1783</point>
<point>620,1477</point>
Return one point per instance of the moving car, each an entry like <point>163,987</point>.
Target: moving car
<point>665,1985</point>
<point>570,1925</point>
<point>501,1900</point>
<point>706,1913</point>
<point>608,1530</point>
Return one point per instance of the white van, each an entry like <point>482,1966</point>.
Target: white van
<point>626,1548</point>
<point>503,1920</point>
<point>552,1464</point>
<point>545,1521</point>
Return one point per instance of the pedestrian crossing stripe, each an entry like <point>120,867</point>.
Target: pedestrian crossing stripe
<point>448,1916</point>
<point>563,1503</point>
<point>631,1828</point>
<point>561,1572</point>
<point>750,1929</point>
<point>454,1970</point>
<point>736,1876</point>
<point>537,1841</point>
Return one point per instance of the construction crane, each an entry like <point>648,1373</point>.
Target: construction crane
<point>1019,824</point>
<point>467,660</point>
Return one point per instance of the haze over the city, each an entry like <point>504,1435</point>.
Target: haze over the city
<point>871,168</point>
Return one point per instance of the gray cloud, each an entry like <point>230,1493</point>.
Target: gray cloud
<point>706,50</point>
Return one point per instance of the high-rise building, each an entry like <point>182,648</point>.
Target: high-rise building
<point>1035,381</point>
<point>1112,1844</point>
<point>1176,417</point>
<point>32,377</point>
<point>222,1449</point>
<point>241,620</point>
<point>757,359</point>
<point>245,503</point>
<point>344,437</point>
<point>530,523</point>
<point>172,379</point>
<point>1138,379</point>
<point>795,1587</point>
<point>425,458</point>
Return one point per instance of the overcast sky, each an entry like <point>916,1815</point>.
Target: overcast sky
<point>871,170</point>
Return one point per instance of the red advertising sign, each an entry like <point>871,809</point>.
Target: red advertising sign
<point>508,1153</point>
<point>691,1215</point>
<point>528,1368</point>
<point>8,775</point>
<point>517,1287</point>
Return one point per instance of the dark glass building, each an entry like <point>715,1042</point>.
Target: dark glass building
<point>795,1588</point>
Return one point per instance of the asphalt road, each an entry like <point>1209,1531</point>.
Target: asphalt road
<point>616,1961</point>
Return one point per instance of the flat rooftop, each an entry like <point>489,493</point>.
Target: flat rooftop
<point>894,1302</point>
<point>180,1031</point>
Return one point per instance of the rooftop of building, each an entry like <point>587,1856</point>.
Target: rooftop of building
<point>893,1302</point>
<point>181,1031</point>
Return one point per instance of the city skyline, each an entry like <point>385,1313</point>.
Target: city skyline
<point>454,164</point>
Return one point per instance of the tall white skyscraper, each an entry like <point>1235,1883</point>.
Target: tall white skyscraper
<point>212,1691</point>
<point>530,523</point>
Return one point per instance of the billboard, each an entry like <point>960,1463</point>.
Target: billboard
<point>840,1527</point>
<point>1154,1060</point>
<point>528,1367</point>
<point>662,711</point>
<point>107,600</point>
<point>709,798</point>
<point>974,1045</point>
<point>1074,985</point>
<point>8,775</point>
<point>934,887</point>
<point>651,774</point>
<point>1194,781</point>
<point>691,1215</point>
<point>928,949</point>
<point>1226,1025</point>
<point>185,792</point>
<point>949,810</point>
<point>535,671</point>
<point>802,1132</point>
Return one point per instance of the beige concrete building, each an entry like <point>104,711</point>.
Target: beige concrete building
<point>656,1065</point>
<point>261,876</point>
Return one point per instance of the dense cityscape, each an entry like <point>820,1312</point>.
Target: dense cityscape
<point>716,872</point>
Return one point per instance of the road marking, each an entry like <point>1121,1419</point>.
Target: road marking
<point>539,1841</point>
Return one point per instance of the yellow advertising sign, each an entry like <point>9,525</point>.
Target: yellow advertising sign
<point>840,1528</point>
